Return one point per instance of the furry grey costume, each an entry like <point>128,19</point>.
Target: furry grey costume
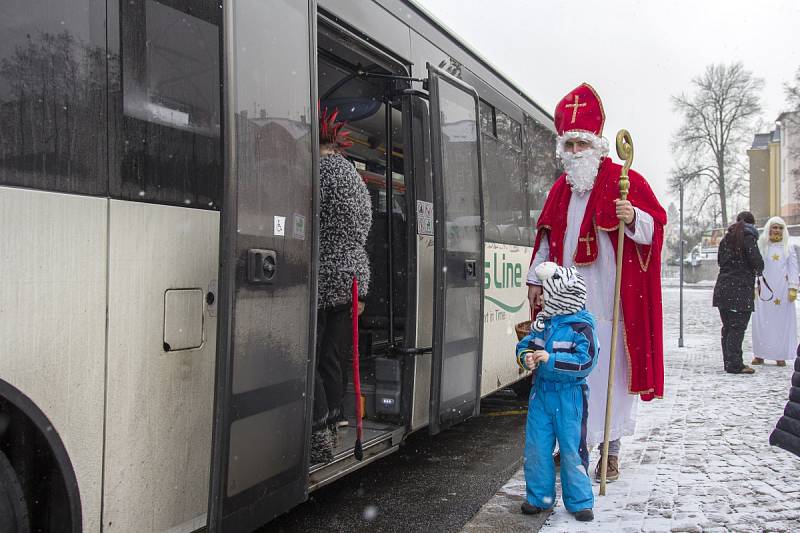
<point>787,434</point>
<point>345,221</point>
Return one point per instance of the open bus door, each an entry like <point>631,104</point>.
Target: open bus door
<point>267,275</point>
<point>458,251</point>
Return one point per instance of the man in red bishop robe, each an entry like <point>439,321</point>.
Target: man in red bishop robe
<point>578,226</point>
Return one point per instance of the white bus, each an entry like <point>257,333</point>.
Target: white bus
<point>158,238</point>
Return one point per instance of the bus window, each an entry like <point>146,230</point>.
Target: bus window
<point>52,85</point>
<point>503,180</point>
<point>487,119</point>
<point>541,167</point>
<point>167,110</point>
<point>509,131</point>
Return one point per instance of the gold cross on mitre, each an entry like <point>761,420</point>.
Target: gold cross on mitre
<point>575,105</point>
<point>587,240</point>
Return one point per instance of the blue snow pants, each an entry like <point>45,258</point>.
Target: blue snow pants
<point>558,411</point>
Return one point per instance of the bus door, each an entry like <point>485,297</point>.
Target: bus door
<point>267,275</point>
<point>458,251</point>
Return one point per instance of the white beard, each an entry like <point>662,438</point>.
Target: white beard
<point>581,168</point>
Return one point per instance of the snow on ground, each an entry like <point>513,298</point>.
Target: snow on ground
<point>700,459</point>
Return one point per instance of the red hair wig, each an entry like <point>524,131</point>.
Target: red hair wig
<point>330,131</point>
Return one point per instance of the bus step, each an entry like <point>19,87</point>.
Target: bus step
<point>344,462</point>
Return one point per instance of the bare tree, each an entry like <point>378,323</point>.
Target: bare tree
<point>791,121</point>
<point>49,111</point>
<point>710,144</point>
<point>701,209</point>
<point>793,92</point>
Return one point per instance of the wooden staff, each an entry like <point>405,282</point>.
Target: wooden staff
<point>625,152</point>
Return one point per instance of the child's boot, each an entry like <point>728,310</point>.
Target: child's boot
<point>531,509</point>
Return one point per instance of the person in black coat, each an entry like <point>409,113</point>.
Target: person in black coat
<point>787,433</point>
<point>739,263</point>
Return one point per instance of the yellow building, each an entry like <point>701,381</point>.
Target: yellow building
<point>765,176</point>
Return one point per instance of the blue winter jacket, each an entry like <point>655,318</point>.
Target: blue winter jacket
<point>572,344</point>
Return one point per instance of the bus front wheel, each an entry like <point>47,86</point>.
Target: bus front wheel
<point>13,508</point>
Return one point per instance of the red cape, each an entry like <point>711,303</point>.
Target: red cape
<point>641,266</point>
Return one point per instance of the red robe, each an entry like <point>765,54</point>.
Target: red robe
<point>641,265</point>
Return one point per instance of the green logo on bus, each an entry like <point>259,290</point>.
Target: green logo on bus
<point>504,306</point>
<point>500,274</point>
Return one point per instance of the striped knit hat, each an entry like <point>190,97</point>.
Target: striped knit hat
<point>564,292</point>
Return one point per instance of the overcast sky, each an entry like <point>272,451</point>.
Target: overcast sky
<point>636,54</point>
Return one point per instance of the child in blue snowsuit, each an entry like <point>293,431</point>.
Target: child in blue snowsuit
<point>562,346</point>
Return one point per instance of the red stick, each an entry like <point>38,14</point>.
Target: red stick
<point>358,451</point>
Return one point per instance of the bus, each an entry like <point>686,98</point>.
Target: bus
<point>158,248</point>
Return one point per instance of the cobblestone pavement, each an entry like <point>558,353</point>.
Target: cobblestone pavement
<point>700,459</point>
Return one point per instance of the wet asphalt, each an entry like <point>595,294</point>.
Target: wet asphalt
<point>433,483</point>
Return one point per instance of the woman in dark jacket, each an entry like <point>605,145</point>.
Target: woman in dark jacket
<point>787,434</point>
<point>739,263</point>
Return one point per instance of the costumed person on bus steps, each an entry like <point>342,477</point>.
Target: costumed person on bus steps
<point>775,317</point>
<point>739,263</point>
<point>563,348</point>
<point>345,221</point>
<point>578,226</point>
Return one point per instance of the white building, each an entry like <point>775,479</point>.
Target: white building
<point>789,126</point>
